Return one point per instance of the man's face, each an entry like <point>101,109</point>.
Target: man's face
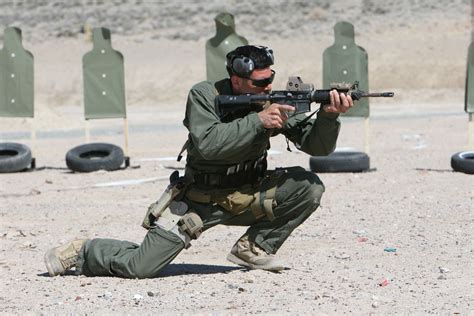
<point>246,86</point>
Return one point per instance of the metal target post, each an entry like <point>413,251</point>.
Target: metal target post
<point>470,132</point>
<point>366,135</point>
<point>470,127</point>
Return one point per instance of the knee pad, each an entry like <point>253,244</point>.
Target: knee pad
<point>191,224</point>
<point>181,221</point>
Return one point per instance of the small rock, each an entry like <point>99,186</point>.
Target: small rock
<point>390,249</point>
<point>384,282</point>
<point>443,270</point>
<point>28,244</point>
<point>11,234</point>
<point>107,295</point>
<point>137,298</point>
<point>241,289</point>
<point>375,304</point>
<point>48,181</point>
<point>442,277</point>
<point>150,293</point>
<point>342,256</point>
<point>249,280</point>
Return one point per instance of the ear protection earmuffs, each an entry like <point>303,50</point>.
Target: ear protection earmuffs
<point>242,66</point>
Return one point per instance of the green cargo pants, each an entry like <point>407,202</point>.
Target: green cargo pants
<point>298,194</point>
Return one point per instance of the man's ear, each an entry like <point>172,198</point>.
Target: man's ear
<point>236,83</point>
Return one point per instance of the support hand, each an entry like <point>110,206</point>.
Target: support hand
<point>340,102</point>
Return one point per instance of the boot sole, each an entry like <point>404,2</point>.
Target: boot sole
<point>234,259</point>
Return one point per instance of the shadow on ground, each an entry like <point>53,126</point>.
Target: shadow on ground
<point>176,269</point>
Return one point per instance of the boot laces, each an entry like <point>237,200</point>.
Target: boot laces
<point>257,250</point>
<point>69,262</point>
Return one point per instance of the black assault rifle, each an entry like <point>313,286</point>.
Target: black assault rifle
<point>298,94</point>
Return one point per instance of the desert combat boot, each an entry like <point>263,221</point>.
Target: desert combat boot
<point>60,259</point>
<point>250,255</point>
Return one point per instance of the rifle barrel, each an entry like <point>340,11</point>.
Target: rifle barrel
<point>378,95</point>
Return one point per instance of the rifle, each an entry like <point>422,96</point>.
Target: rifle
<point>298,94</point>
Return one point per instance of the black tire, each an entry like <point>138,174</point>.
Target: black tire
<point>340,161</point>
<point>14,157</point>
<point>463,162</point>
<point>94,156</point>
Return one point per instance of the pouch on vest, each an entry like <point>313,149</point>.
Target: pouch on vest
<point>234,202</point>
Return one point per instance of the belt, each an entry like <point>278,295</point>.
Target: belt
<point>247,172</point>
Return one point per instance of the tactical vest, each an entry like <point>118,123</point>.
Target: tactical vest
<point>218,174</point>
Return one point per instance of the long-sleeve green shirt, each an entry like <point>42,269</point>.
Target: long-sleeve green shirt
<point>214,145</point>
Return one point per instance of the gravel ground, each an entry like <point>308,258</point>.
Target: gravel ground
<point>413,203</point>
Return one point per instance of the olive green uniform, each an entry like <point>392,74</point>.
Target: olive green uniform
<point>228,184</point>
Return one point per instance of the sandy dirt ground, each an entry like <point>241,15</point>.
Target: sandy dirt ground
<point>411,201</point>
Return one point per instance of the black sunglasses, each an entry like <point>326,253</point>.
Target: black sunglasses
<point>263,82</point>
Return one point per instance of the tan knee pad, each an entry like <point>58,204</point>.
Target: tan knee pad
<point>191,224</point>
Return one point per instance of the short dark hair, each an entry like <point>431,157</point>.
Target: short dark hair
<point>244,59</point>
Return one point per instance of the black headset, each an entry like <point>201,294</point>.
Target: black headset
<point>243,66</point>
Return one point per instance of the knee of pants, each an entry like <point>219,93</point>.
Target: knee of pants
<point>301,188</point>
<point>314,190</point>
<point>157,250</point>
